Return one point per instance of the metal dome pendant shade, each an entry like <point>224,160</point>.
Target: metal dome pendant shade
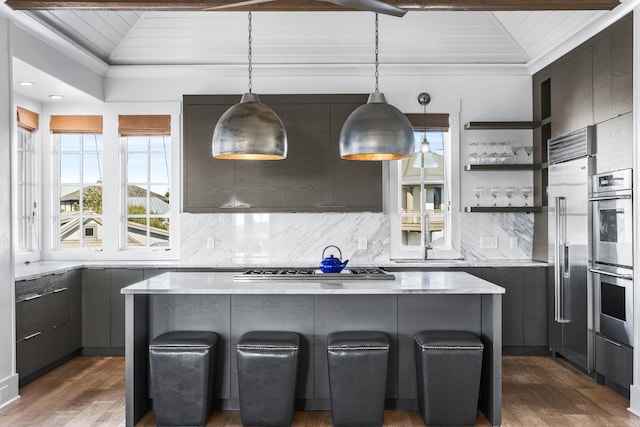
<point>376,130</point>
<point>249,130</point>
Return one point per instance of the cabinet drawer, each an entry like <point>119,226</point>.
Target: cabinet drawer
<point>59,306</point>
<point>30,316</point>
<point>61,341</point>
<point>614,361</point>
<point>31,354</point>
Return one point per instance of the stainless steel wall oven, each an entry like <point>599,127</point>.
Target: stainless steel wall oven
<point>612,265</point>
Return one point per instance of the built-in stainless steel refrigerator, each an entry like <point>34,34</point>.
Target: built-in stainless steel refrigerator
<point>570,294</point>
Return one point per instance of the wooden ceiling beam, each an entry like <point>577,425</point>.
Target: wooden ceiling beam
<point>313,6</point>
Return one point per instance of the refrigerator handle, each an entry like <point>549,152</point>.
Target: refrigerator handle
<point>557,268</point>
<point>561,268</point>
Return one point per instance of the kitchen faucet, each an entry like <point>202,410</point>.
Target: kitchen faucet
<point>427,239</point>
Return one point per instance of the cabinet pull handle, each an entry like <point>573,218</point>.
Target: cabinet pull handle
<point>55,291</point>
<point>32,336</point>
<point>32,297</point>
<point>612,342</point>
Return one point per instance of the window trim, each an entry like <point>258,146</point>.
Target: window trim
<point>452,172</point>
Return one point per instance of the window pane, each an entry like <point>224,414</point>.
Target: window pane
<point>159,143</point>
<point>161,192</point>
<point>69,198</point>
<point>411,231</point>
<point>70,142</point>
<point>92,199</point>
<point>92,143</point>
<point>69,168</point>
<point>92,168</point>
<point>137,168</point>
<point>137,204</point>
<point>137,143</point>
<point>69,236</point>
<point>159,167</point>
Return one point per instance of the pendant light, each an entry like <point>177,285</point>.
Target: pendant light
<point>376,130</point>
<point>424,157</point>
<point>249,130</point>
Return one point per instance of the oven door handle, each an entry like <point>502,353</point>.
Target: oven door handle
<point>616,275</point>
<point>598,199</point>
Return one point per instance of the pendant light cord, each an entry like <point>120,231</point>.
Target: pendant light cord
<point>250,67</point>
<point>377,52</point>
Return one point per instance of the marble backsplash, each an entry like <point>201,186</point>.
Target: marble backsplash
<point>298,239</point>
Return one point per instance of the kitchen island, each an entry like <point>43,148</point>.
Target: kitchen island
<point>214,301</point>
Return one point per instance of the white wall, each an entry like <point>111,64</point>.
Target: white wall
<point>484,93</point>
<point>8,377</point>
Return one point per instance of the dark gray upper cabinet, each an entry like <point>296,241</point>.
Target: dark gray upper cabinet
<point>572,92</point>
<point>313,177</point>
<point>613,71</point>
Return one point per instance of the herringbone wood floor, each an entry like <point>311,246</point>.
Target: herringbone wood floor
<point>537,391</point>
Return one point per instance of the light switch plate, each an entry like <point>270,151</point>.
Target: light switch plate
<point>211,243</point>
<point>362,243</point>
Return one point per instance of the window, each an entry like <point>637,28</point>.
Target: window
<point>77,143</point>
<point>146,144</point>
<point>26,182</point>
<point>423,213</point>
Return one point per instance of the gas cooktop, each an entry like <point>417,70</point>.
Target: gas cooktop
<point>368,273</point>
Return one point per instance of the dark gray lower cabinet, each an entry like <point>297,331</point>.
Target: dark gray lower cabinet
<point>96,309</point>
<point>48,322</point>
<point>120,277</point>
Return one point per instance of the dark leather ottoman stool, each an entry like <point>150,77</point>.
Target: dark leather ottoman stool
<point>357,377</point>
<point>182,366</point>
<point>267,372</point>
<point>448,367</point>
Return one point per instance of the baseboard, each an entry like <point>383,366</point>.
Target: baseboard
<point>526,351</point>
<point>9,390</point>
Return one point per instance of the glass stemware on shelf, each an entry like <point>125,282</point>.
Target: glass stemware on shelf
<point>509,191</point>
<point>495,192</point>
<point>473,154</point>
<point>526,192</point>
<point>478,192</point>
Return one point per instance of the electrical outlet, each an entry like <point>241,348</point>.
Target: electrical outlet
<point>362,243</point>
<point>211,243</point>
<point>514,242</point>
<point>489,242</point>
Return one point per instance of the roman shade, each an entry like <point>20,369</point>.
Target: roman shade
<point>76,124</point>
<point>432,121</point>
<point>136,125</point>
<point>27,119</point>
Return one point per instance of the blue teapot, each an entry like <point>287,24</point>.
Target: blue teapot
<point>332,264</point>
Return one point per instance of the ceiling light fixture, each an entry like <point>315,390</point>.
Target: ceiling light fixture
<point>56,96</point>
<point>249,130</point>
<point>424,157</point>
<point>376,130</point>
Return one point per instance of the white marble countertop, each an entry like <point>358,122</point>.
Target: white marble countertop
<point>36,269</point>
<point>415,282</point>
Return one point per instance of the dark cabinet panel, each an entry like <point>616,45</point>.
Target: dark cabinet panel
<point>120,277</point>
<point>96,311</point>
<point>276,313</point>
<point>602,78</point>
<point>572,92</point>
<point>334,313</point>
<point>312,178</point>
<point>59,306</point>
<point>512,303</point>
<point>535,307</point>
<point>354,185</point>
<point>147,273</point>
<point>60,339</point>
<point>622,67</point>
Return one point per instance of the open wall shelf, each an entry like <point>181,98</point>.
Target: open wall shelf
<point>523,209</point>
